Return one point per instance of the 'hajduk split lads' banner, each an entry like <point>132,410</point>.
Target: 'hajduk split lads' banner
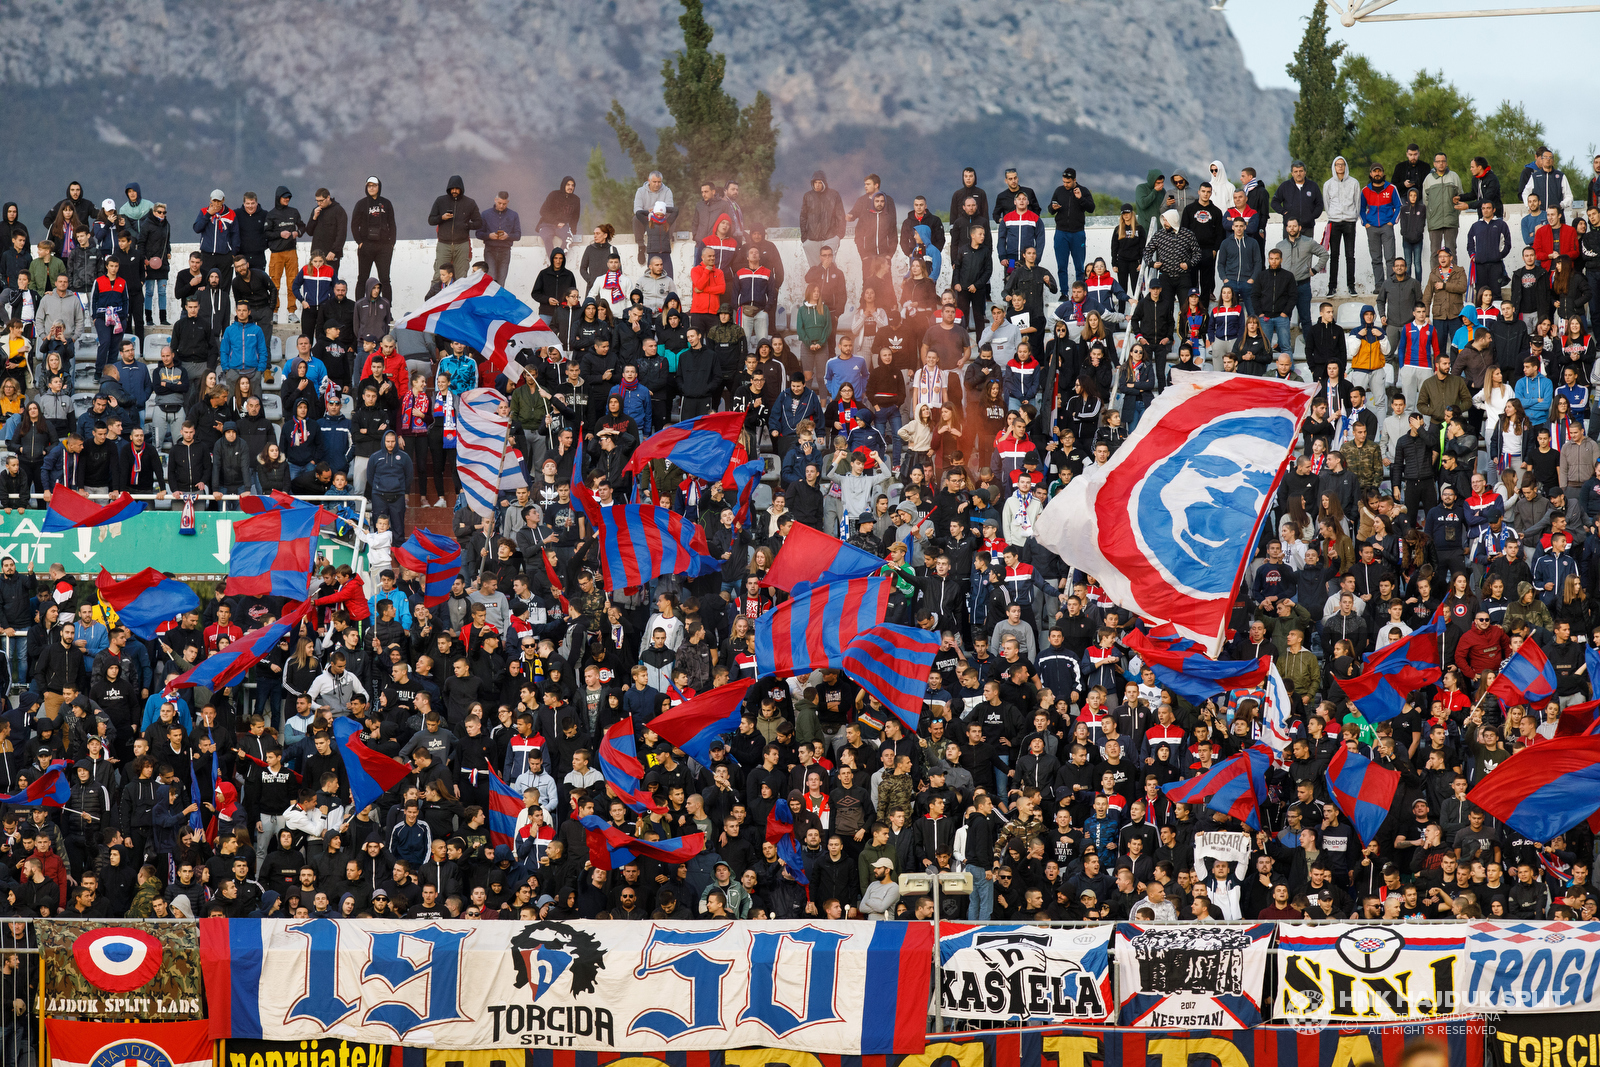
<point>850,987</point>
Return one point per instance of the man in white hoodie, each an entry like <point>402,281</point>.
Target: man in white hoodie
<point>1342,195</point>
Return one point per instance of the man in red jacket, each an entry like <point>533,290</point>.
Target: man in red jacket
<point>1554,238</point>
<point>1482,648</point>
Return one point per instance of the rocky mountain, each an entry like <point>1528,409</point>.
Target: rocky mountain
<point>511,93</point>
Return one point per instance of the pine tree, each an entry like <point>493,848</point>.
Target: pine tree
<point>712,137</point>
<point>1319,131</point>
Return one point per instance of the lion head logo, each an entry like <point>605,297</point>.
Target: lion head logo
<point>542,952</point>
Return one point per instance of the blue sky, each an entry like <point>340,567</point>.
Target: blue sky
<point>1553,89</point>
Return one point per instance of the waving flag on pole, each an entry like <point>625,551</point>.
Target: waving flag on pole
<point>481,447</point>
<point>700,720</point>
<point>228,666</point>
<point>486,318</point>
<point>892,663</point>
<point>273,552</point>
<point>620,767</point>
<point>780,831</point>
<point>810,558</point>
<point>50,790</point>
<point>1168,525</point>
<point>277,500</point>
<point>1577,719</point>
<point>505,807</point>
<point>370,774</point>
<point>1527,677</point>
<point>1394,672</point>
<point>1544,790</point>
<point>812,630</point>
<point>1193,674</point>
<point>582,495</point>
<point>146,600</point>
<point>1236,786</point>
<point>702,446</point>
<point>746,477</point>
<point>69,510</point>
<point>1277,715</point>
<point>436,557</point>
<point>611,848</point>
<point>1363,790</point>
<point>641,542</point>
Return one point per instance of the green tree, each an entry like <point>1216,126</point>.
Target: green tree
<point>711,135</point>
<point>1319,127</point>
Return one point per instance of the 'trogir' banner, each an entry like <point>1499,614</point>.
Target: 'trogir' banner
<point>852,987</point>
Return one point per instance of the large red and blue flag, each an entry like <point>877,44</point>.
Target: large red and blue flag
<point>1363,790</point>
<point>641,542</point>
<point>50,790</point>
<point>1546,789</point>
<point>700,720</point>
<point>1394,672</point>
<point>810,558</point>
<point>69,510</point>
<point>1168,525</point>
<point>1527,677</point>
<point>1578,719</point>
<point>273,552</point>
<point>611,848</point>
<point>702,446</point>
<point>146,600</point>
<point>892,663</point>
<point>227,666</point>
<point>370,773</point>
<point>582,495</point>
<point>1191,673</point>
<point>277,500</point>
<point>1236,786</point>
<point>780,832</point>
<point>481,447</point>
<point>620,767</point>
<point>812,630</point>
<point>505,807</point>
<point>486,318</point>
<point>434,556</point>
<point>746,476</point>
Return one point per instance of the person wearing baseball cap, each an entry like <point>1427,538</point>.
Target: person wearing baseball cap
<point>1071,204</point>
<point>219,234</point>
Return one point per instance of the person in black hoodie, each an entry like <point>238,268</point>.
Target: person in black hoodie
<point>284,227</point>
<point>455,216</point>
<point>155,250</point>
<point>372,224</point>
<point>697,376</point>
<point>255,228</point>
<point>558,216</point>
<point>328,226</point>
<point>552,285</point>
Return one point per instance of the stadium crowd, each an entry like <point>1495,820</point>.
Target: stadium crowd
<point>1448,464</point>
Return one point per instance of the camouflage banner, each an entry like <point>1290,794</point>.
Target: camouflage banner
<point>143,971</point>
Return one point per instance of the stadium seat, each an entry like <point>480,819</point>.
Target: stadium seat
<point>272,406</point>
<point>275,348</point>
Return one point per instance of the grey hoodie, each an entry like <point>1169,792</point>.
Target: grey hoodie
<point>1341,196</point>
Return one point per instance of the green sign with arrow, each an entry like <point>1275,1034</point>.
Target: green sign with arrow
<point>150,539</point>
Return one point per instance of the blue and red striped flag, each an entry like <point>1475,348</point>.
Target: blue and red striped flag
<point>1527,677</point>
<point>146,600</point>
<point>273,552</point>
<point>505,806</point>
<point>620,767</point>
<point>1546,789</point>
<point>1393,673</point>
<point>1363,790</point>
<point>434,556</point>
<point>1193,674</point>
<point>780,831</point>
<point>812,630</point>
<point>481,447</point>
<point>582,495</point>
<point>702,446</point>
<point>50,790</point>
<point>810,558</point>
<point>892,663</point>
<point>1236,786</point>
<point>277,500</point>
<point>370,773</point>
<point>69,510</point>
<point>746,477</point>
<point>611,848</point>
<point>228,666</point>
<point>641,542</point>
<point>700,720</point>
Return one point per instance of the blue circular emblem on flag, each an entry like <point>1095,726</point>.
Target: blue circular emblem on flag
<point>128,1052</point>
<point>1195,511</point>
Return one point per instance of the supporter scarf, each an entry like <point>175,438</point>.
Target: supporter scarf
<point>138,464</point>
<point>1024,520</point>
<point>613,285</point>
<point>298,435</point>
<point>416,414</point>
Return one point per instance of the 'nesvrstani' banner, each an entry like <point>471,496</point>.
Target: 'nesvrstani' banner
<point>849,987</point>
<point>1025,975</point>
<point>1188,975</point>
<point>1279,1046</point>
<point>1531,967</point>
<point>1346,971</point>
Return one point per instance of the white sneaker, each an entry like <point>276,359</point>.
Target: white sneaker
<point>440,503</point>
<point>294,316</point>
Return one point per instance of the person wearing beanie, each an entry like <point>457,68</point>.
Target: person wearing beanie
<point>372,225</point>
